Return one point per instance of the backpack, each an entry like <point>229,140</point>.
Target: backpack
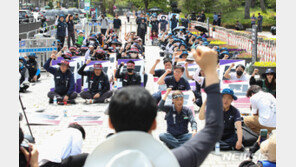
<point>249,137</point>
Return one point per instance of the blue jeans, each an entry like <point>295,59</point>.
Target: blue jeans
<point>174,141</point>
<point>157,96</point>
<point>228,143</point>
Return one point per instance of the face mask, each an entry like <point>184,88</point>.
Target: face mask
<point>134,55</point>
<point>100,56</point>
<point>130,70</point>
<point>239,73</point>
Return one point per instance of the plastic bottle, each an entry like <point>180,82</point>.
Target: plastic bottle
<point>217,148</point>
<point>115,85</point>
<point>65,113</point>
<point>55,100</point>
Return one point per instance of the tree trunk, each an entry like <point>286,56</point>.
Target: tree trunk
<point>247,9</point>
<point>253,3</point>
<point>262,5</point>
<point>146,5</point>
<point>103,8</point>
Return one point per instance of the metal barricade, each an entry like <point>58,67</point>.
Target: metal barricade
<point>43,48</point>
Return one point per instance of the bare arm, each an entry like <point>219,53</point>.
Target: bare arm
<point>161,79</point>
<point>226,75</point>
<point>202,110</point>
<point>152,71</point>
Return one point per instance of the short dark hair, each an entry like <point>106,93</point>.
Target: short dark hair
<point>132,108</point>
<point>75,125</point>
<point>242,66</point>
<point>130,61</point>
<point>253,90</point>
<point>179,67</point>
<point>166,60</point>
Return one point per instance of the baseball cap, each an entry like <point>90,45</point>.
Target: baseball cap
<point>98,66</point>
<point>229,92</point>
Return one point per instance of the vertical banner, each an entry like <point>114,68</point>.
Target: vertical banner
<point>254,43</point>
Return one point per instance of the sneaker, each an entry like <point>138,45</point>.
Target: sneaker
<point>107,100</point>
<point>89,101</point>
<point>50,101</point>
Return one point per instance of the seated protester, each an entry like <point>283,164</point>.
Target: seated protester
<point>122,53</point>
<point>133,53</point>
<point>80,38</point>
<point>61,145</point>
<point>183,56</point>
<point>99,55</point>
<point>267,83</point>
<point>82,51</point>
<point>153,36</point>
<point>33,68</point>
<point>74,51</point>
<point>263,108</point>
<point>175,81</point>
<point>24,75</point>
<point>159,72</point>
<point>224,55</point>
<point>231,140</point>
<point>133,120</point>
<point>92,40</point>
<point>67,55</point>
<point>177,118</point>
<point>239,75</point>
<point>64,89</point>
<point>128,77</point>
<point>138,43</point>
<point>89,52</point>
<point>98,84</point>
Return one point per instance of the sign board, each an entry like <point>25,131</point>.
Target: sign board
<point>254,43</point>
<point>43,119</point>
<point>225,64</point>
<point>87,119</point>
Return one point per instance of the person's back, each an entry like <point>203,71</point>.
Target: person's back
<point>265,103</point>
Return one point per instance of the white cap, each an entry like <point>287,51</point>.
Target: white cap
<point>131,149</point>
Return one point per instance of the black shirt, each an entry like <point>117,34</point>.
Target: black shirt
<point>117,23</point>
<point>172,83</point>
<point>96,84</point>
<point>70,26</point>
<point>230,117</point>
<point>154,24</point>
<point>159,72</point>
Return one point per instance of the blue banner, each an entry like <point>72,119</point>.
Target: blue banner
<point>37,50</point>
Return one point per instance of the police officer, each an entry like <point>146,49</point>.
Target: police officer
<point>98,84</point>
<point>64,81</point>
<point>129,77</point>
<point>71,30</point>
<point>61,29</point>
<point>33,68</point>
<point>24,75</point>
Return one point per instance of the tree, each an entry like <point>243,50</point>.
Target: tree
<point>262,6</point>
<point>247,9</point>
<point>253,3</point>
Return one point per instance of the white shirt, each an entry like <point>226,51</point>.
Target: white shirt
<point>197,78</point>
<point>233,76</point>
<point>60,146</point>
<point>265,103</point>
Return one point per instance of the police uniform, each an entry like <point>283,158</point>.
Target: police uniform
<point>61,31</point>
<point>33,69</point>
<point>127,80</point>
<point>96,84</point>
<point>64,83</point>
<point>177,125</point>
